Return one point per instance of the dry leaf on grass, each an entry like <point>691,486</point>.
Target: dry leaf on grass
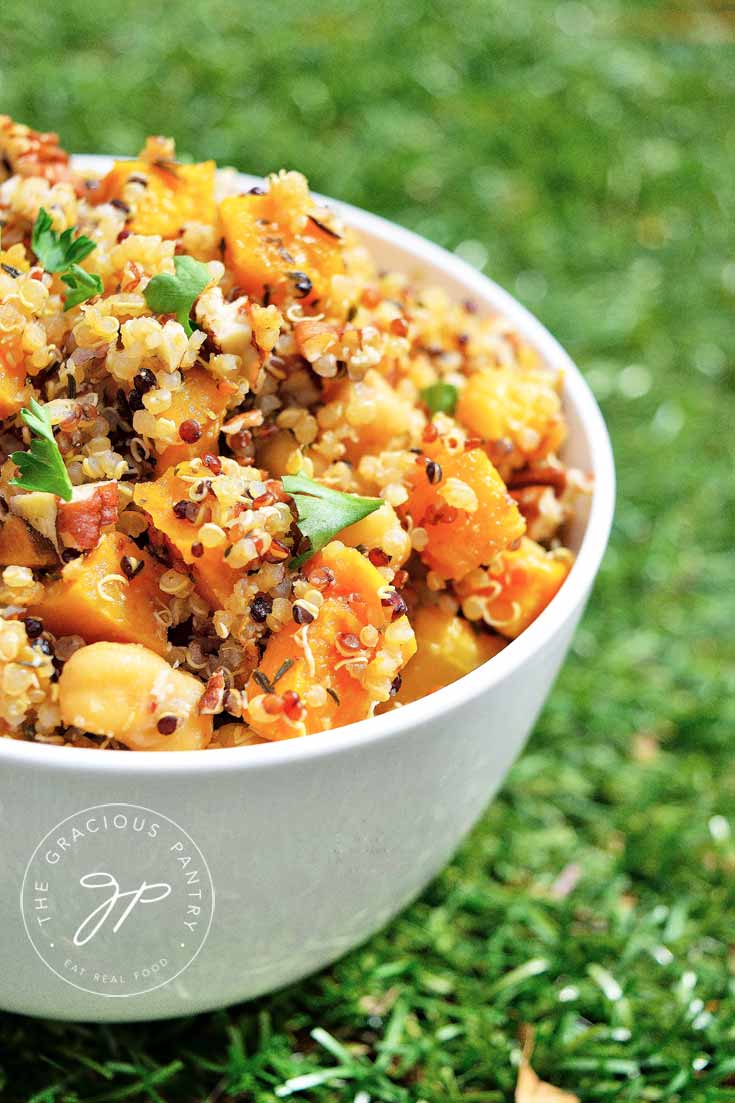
<point>529,1089</point>
<point>567,881</point>
<point>381,1004</point>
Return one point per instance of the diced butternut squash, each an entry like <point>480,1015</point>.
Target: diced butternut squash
<point>22,546</point>
<point>377,415</point>
<point>201,399</point>
<point>14,391</point>
<point>381,530</point>
<point>520,406</point>
<point>352,701</point>
<point>460,539</point>
<point>324,674</point>
<point>88,602</point>
<point>355,579</point>
<point>447,648</point>
<point>275,248</point>
<point>40,510</point>
<point>515,588</point>
<point>273,453</point>
<point>214,579</point>
<point>171,194</point>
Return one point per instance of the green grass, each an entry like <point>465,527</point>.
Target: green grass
<point>585,149</point>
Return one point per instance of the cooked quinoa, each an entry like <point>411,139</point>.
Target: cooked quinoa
<point>181,595</point>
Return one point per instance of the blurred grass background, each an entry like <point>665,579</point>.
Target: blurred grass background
<point>583,154</point>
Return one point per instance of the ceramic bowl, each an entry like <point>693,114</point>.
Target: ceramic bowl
<point>142,886</point>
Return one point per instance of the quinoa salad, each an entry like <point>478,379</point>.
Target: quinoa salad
<point>251,487</point>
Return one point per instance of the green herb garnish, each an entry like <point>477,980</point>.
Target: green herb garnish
<point>57,252</point>
<point>322,512</point>
<point>42,468</point>
<point>167,294</point>
<point>441,398</point>
<point>61,253</point>
<point>83,285</point>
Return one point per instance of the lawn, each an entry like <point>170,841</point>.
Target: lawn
<point>583,155</point>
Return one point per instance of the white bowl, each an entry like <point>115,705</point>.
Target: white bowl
<point>141,886</point>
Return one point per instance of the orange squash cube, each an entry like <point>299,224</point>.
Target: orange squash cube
<point>15,392</point>
<point>514,404</point>
<point>516,587</point>
<point>461,539</point>
<point>272,245</point>
<point>86,602</point>
<point>213,578</point>
<point>174,194</point>
<point>382,530</point>
<point>276,451</point>
<point>355,578</point>
<point>202,399</point>
<point>23,546</point>
<point>319,656</point>
<point>447,648</point>
<point>379,417</point>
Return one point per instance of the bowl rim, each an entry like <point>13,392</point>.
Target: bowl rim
<point>525,647</point>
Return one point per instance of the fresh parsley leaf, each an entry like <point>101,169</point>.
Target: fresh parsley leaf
<point>441,398</point>
<point>42,468</point>
<point>323,512</point>
<point>55,251</point>
<point>83,285</point>
<point>61,253</point>
<point>167,294</point>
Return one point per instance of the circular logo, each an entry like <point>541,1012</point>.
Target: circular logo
<point>117,900</point>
